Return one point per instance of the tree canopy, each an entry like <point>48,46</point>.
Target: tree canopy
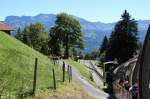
<point>104,45</point>
<point>93,55</point>
<point>123,40</point>
<point>34,36</point>
<point>66,33</point>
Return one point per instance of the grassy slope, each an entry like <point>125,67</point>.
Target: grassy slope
<point>17,66</point>
<point>66,91</point>
<point>82,69</point>
<point>16,73</point>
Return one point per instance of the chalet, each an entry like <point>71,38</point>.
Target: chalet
<point>5,28</point>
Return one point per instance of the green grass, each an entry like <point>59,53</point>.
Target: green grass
<point>17,66</point>
<point>67,90</point>
<point>82,69</point>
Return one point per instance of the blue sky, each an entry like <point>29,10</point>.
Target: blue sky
<point>92,10</point>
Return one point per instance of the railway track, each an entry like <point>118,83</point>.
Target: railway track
<point>95,70</point>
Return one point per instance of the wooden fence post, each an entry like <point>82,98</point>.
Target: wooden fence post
<point>68,69</point>
<point>70,73</point>
<point>35,75</point>
<point>9,97</point>
<point>54,80</point>
<point>63,70</point>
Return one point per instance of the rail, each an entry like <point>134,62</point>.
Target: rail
<point>99,75</point>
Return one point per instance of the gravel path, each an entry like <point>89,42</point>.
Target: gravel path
<point>89,88</point>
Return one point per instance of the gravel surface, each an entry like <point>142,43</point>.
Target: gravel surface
<point>89,88</point>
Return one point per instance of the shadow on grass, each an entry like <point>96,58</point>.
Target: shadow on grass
<point>22,95</point>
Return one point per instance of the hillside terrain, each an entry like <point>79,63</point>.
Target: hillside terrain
<point>93,31</point>
<point>17,68</point>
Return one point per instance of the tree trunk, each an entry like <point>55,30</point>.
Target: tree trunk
<point>67,48</point>
<point>67,51</point>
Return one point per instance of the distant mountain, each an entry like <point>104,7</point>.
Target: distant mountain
<point>93,31</point>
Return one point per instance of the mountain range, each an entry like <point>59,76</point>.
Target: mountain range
<point>93,31</point>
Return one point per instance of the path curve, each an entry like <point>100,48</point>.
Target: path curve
<point>89,88</point>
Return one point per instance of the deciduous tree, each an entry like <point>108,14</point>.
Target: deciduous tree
<point>67,31</point>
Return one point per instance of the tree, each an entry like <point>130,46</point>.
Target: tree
<point>55,42</point>
<point>104,45</point>
<point>92,55</point>
<point>87,56</point>
<point>34,36</point>
<point>26,39</point>
<point>75,52</point>
<point>67,31</point>
<point>19,34</point>
<point>123,40</point>
<point>38,36</point>
<point>103,49</point>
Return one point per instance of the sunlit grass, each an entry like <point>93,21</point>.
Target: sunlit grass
<point>83,71</point>
<point>67,90</point>
<point>17,66</point>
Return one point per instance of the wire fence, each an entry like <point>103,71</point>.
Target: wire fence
<point>25,81</point>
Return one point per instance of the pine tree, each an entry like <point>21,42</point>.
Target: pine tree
<point>123,40</point>
<point>19,34</point>
<point>104,45</point>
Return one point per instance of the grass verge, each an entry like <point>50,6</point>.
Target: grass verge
<point>83,71</point>
<point>66,91</point>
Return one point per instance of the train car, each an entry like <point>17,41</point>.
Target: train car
<point>136,74</point>
<point>123,79</point>
<point>108,69</point>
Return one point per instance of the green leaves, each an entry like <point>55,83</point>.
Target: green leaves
<point>123,40</point>
<point>104,45</point>
<point>66,32</point>
<point>34,36</point>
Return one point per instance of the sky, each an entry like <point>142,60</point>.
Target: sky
<point>93,10</point>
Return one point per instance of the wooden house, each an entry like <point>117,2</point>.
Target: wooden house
<point>5,28</point>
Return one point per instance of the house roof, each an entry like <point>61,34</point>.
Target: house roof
<point>5,27</point>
